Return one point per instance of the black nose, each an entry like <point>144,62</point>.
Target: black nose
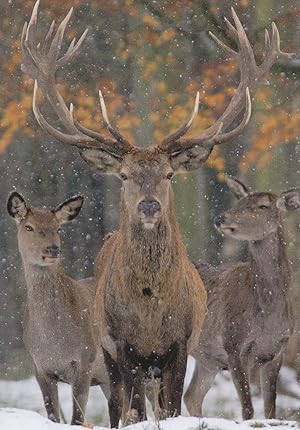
<point>219,220</point>
<point>53,250</point>
<point>149,207</point>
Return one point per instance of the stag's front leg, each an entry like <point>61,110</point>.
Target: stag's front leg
<point>241,382</point>
<point>172,382</point>
<point>80,392</point>
<point>268,381</point>
<point>115,400</point>
<point>134,385</point>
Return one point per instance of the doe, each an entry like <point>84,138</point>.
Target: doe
<point>249,319</point>
<point>58,328</point>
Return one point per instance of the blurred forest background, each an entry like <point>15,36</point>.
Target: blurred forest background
<point>149,58</point>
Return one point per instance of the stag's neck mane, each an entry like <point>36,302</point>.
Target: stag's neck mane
<point>270,269</point>
<point>152,251</point>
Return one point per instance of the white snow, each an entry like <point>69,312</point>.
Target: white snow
<point>19,419</point>
<point>23,409</point>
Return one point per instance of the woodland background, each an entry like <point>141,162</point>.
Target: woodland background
<point>149,58</point>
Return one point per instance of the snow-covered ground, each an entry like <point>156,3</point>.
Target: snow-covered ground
<point>19,419</point>
<point>22,407</point>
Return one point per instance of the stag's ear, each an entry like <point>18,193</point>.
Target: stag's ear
<point>101,161</point>
<point>190,159</point>
<point>238,189</point>
<point>69,209</point>
<point>290,199</point>
<point>16,207</point>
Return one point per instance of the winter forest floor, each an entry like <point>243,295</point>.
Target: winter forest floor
<point>22,407</point>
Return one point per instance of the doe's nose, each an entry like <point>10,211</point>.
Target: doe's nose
<point>219,220</point>
<point>149,207</point>
<point>53,250</point>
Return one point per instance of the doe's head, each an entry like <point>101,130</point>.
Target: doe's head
<point>254,215</point>
<point>38,228</point>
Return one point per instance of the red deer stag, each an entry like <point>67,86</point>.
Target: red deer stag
<point>248,322</point>
<point>58,322</point>
<point>150,302</point>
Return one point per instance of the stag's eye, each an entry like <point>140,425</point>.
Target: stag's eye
<point>170,175</point>
<point>28,227</point>
<point>59,230</point>
<point>123,176</point>
<point>263,207</point>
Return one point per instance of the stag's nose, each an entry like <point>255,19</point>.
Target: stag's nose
<point>53,251</point>
<point>219,220</point>
<point>149,207</point>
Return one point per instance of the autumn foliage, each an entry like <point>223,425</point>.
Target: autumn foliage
<point>149,68</point>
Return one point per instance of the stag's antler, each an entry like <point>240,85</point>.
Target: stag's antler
<point>41,61</point>
<point>250,79</point>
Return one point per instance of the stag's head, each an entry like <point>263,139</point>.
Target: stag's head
<point>38,229</point>
<point>254,215</point>
<point>145,173</point>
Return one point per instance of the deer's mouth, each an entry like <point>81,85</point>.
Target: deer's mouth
<point>49,258</point>
<point>227,230</point>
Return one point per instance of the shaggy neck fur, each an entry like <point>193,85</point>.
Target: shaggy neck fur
<point>270,271</point>
<point>152,255</point>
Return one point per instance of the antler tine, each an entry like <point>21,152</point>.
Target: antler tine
<point>57,39</point>
<point>245,49</point>
<point>72,51</point>
<point>66,138</point>
<point>222,44</point>
<point>232,31</point>
<point>111,128</point>
<point>29,41</point>
<point>267,42</point>
<point>185,127</point>
<point>218,139</point>
<point>47,41</point>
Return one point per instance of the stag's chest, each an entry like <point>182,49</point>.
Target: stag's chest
<point>147,320</point>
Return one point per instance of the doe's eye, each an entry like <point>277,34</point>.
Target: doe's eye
<point>170,175</point>
<point>28,227</point>
<point>59,230</point>
<point>263,207</point>
<point>123,176</point>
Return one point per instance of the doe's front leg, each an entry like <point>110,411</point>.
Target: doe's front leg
<point>80,393</point>
<point>268,381</point>
<point>48,386</point>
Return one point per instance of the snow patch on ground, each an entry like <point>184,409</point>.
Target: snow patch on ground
<point>18,419</point>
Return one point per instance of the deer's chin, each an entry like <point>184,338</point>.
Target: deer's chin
<point>149,222</point>
<point>48,261</point>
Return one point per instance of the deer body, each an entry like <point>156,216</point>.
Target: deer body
<point>58,321</point>
<point>249,319</point>
<point>152,312</point>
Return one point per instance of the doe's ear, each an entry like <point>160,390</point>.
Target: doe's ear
<point>101,161</point>
<point>69,209</point>
<point>238,189</point>
<point>290,199</point>
<point>16,206</point>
